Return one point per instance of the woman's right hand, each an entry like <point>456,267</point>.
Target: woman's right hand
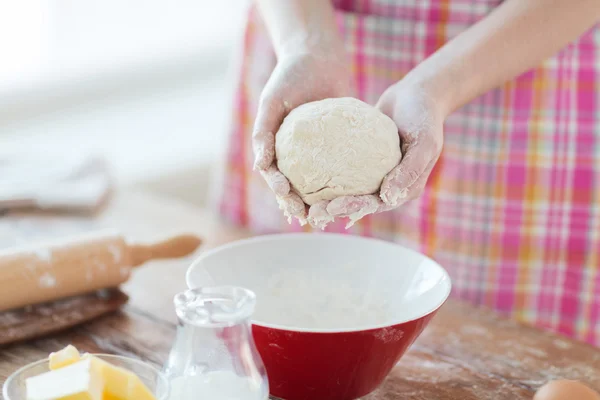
<point>301,76</point>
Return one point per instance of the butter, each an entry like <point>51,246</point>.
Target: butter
<point>67,356</point>
<point>116,380</point>
<point>82,380</point>
<point>122,384</point>
<point>139,391</point>
<point>76,377</point>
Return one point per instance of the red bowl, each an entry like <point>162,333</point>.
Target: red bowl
<point>334,313</point>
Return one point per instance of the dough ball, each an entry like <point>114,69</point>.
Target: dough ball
<point>336,147</point>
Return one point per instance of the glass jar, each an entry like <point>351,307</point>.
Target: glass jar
<point>214,355</point>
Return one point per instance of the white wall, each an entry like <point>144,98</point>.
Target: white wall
<point>144,82</point>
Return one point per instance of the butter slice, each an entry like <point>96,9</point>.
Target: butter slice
<point>120,383</point>
<point>116,380</point>
<point>139,391</point>
<point>123,384</point>
<point>67,356</point>
<point>82,380</point>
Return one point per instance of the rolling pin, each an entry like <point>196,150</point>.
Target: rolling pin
<point>74,266</point>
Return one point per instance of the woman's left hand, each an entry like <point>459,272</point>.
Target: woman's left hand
<point>420,126</point>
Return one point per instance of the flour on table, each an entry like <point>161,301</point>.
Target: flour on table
<point>100,265</point>
<point>43,254</point>
<point>115,252</point>
<point>562,344</point>
<point>47,280</point>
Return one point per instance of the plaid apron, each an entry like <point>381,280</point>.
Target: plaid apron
<point>512,209</point>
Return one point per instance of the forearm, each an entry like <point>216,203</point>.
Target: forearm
<point>295,25</point>
<point>514,38</point>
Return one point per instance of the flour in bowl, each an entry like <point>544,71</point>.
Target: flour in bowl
<point>313,300</point>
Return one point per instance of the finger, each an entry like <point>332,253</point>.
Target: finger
<point>416,189</point>
<point>417,158</point>
<point>384,207</point>
<point>276,180</point>
<point>354,207</point>
<point>293,207</point>
<point>318,217</point>
<point>268,119</point>
<point>411,192</point>
<point>345,205</point>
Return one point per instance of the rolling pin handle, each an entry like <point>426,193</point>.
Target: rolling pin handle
<point>178,246</point>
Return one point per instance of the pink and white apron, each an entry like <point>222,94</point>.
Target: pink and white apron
<point>512,209</point>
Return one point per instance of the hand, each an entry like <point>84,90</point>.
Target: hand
<point>300,77</point>
<point>420,126</point>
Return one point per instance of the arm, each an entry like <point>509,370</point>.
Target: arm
<point>515,37</point>
<point>294,24</point>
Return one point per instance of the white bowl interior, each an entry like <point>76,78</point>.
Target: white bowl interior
<point>326,282</point>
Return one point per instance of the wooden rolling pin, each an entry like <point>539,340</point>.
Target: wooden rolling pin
<point>76,266</point>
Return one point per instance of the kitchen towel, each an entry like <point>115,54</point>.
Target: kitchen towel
<point>53,182</point>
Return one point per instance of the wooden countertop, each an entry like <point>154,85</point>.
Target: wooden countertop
<point>465,354</point>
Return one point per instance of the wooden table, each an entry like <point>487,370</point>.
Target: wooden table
<point>465,354</point>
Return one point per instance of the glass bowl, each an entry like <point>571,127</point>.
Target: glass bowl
<point>14,387</point>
